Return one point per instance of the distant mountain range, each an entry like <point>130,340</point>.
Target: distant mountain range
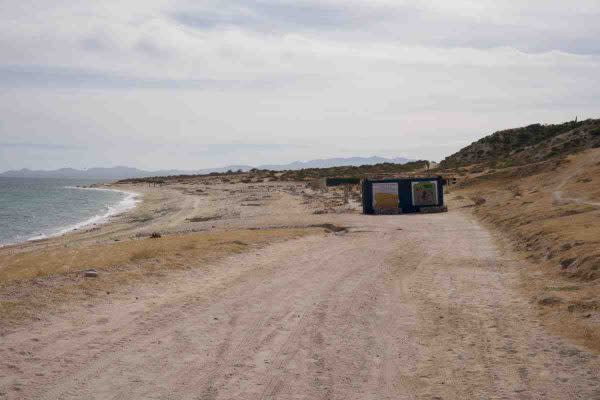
<point>109,173</point>
<point>119,172</point>
<point>335,162</point>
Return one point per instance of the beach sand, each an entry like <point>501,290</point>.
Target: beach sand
<point>277,290</point>
<point>197,222</point>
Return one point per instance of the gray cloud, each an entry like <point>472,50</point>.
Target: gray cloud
<point>403,24</point>
<point>530,39</point>
<point>40,146</point>
<point>223,148</point>
<point>278,16</point>
<point>188,84</point>
<point>40,76</point>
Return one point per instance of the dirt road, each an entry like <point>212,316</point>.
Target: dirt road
<point>405,307</point>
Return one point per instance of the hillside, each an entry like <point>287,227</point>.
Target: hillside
<point>362,171</point>
<point>540,185</point>
<point>307,174</point>
<point>528,144</point>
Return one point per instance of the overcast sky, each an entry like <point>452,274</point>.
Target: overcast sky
<point>193,84</point>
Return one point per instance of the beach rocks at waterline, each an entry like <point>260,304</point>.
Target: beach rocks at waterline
<point>90,273</point>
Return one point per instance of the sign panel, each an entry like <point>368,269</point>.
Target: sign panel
<point>385,196</point>
<point>425,193</point>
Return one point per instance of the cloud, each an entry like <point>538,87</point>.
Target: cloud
<point>38,76</point>
<point>254,40</point>
<point>538,27</point>
<point>40,146</point>
<point>228,80</point>
<point>288,16</point>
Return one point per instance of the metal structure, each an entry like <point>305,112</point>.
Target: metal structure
<point>400,196</point>
<point>342,181</point>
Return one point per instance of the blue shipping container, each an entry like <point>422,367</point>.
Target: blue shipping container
<point>399,196</point>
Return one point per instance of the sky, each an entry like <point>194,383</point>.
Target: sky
<point>159,84</point>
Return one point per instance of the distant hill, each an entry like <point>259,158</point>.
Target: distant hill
<point>335,162</point>
<point>528,144</point>
<point>120,172</point>
<point>113,173</point>
<point>379,170</point>
<point>101,173</point>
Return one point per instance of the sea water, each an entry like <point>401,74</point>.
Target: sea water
<point>36,208</point>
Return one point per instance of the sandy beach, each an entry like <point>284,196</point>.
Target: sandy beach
<point>277,290</point>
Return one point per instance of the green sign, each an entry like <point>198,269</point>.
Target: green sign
<point>425,193</point>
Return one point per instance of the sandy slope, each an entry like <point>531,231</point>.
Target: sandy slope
<point>581,164</point>
<point>551,213</point>
<point>421,306</point>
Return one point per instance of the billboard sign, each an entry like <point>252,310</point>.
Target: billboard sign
<point>385,196</point>
<point>425,193</point>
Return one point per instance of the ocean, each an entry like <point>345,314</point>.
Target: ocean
<point>32,208</point>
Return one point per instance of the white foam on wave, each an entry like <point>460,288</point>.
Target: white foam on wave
<point>129,202</point>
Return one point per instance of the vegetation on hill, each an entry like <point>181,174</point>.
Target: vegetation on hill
<point>528,144</point>
<point>258,175</point>
<point>362,171</point>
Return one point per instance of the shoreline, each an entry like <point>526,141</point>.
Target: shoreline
<point>128,203</point>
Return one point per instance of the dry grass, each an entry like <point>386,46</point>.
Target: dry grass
<point>61,260</point>
<point>569,325</point>
<point>32,281</point>
<point>547,230</point>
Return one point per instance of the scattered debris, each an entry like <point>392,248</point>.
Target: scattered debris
<point>567,262</point>
<point>204,219</point>
<point>478,201</point>
<point>550,301</point>
<point>90,273</point>
<point>330,227</point>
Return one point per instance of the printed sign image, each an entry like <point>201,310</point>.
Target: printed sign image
<point>425,193</point>
<point>385,196</point>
